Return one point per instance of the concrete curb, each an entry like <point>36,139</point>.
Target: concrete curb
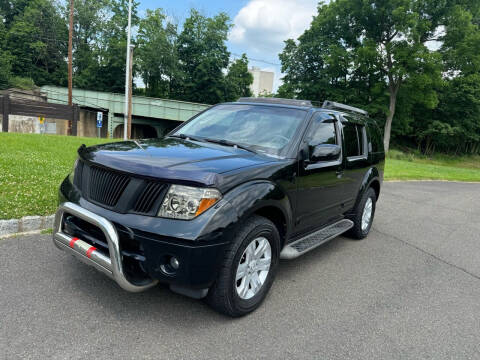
<point>25,224</point>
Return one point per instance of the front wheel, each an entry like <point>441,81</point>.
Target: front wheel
<point>363,214</point>
<point>249,268</point>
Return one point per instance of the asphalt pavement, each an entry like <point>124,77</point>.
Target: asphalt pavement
<point>411,290</point>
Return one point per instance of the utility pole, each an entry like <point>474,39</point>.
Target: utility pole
<point>130,86</point>
<point>70,57</point>
<point>70,64</point>
<point>127,76</point>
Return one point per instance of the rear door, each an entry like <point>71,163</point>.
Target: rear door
<point>319,184</point>
<point>356,158</point>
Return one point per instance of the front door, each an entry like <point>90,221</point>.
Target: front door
<point>319,184</point>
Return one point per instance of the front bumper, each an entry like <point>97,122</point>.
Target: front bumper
<point>110,265</point>
<point>131,244</point>
<point>199,259</point>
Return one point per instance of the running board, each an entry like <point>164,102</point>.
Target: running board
<point>310,242</point>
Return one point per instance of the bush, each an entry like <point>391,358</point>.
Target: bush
<point>22,83</point>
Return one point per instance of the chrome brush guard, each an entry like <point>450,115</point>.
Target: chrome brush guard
<point>111,266</point>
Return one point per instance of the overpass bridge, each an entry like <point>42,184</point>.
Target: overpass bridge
<point>162,115</point>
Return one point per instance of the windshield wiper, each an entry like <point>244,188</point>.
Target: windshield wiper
<point>183,136</point>
<point>230,143</point>
<point>215,141</point>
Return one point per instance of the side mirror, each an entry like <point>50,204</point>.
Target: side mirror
<point>325,152</point>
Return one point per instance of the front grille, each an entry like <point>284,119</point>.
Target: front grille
<point>149,197</point>
<point>106,187</point>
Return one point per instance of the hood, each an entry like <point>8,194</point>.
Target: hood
<point>173,159</point>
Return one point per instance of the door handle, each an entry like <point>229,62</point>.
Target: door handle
<point>339,173</point>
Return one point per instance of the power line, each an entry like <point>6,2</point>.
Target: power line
<point>258,60</point>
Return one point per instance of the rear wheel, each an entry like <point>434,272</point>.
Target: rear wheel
<point>248,270</point>
<point>363,214</point>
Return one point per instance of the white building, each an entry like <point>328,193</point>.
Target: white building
<point>262,81</point>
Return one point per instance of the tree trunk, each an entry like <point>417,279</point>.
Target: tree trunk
<point>393,89</point>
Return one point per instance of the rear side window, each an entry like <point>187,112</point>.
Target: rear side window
<point>376,138</point>
<point>351,141</point>
<point>355,140</point>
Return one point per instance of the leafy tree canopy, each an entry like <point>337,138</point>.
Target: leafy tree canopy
<point>203,55</point>
<point>35,40</point>
<point>156,54</point>
<point>238,80</point>
<point>363,52</point>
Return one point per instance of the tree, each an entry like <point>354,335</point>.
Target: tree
<point>37,41</point>
<point>156,53</point>
<point>203,55</point>
<point>89,29</point>
<point>113,45</point>
<point>454,126</point>
<point>5,59</point>
<point>368,46</point>
<point>12,8</point>
<point>238,80</point>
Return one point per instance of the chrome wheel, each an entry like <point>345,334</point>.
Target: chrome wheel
<point>367,214</point>
<point>252,271</point>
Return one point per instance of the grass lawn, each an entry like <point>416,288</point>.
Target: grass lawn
<point>33,166</point>
<point>414,166</point>
<point>31,169</point>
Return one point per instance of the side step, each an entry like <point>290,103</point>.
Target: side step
<point>309,242</point>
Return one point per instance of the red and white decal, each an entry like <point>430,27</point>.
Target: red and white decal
<point>90,250</point>
<point>73,241</point>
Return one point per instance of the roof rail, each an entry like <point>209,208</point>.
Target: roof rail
<point>327,104</point>
<point>280,101</point>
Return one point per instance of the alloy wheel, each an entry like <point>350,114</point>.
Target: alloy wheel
<point>253,268</point>
<point>367,214</point>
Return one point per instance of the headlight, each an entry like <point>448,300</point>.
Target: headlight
<point>186,202</point>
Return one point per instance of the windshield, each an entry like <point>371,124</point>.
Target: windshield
<point>265,129</point>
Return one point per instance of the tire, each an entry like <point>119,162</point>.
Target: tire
<point>357,231</point>
<point>223,296</point>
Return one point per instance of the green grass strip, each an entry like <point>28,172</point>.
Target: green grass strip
<point>32,167</point>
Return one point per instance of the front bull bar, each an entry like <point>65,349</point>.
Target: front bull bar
<point>111,266</point>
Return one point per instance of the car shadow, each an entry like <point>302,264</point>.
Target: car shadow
<point>159,304</point>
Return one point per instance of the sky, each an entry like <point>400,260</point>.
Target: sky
<point>259,26</point>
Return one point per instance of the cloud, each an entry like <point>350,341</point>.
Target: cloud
<point>263,25</point>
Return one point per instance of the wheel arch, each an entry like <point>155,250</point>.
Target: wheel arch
<point>370,179</point>
<point>375,184</point>
<point>276,216</point>
<point>263,198</point>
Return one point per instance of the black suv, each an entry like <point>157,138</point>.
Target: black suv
<point>211,208</point>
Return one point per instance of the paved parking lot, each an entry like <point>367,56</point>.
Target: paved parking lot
<point>410,290</point>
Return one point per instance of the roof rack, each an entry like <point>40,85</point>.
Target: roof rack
<point>279,101</point>
<point>327,104</point>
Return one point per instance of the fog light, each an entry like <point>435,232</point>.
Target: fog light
<point>174,263</point>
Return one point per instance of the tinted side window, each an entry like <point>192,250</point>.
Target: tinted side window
<point>351,139</point>
<point>376,138</point>
<point>355,139</point>
<point>322,131</point>
<point>324,134</point>
<point>362,139</point>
